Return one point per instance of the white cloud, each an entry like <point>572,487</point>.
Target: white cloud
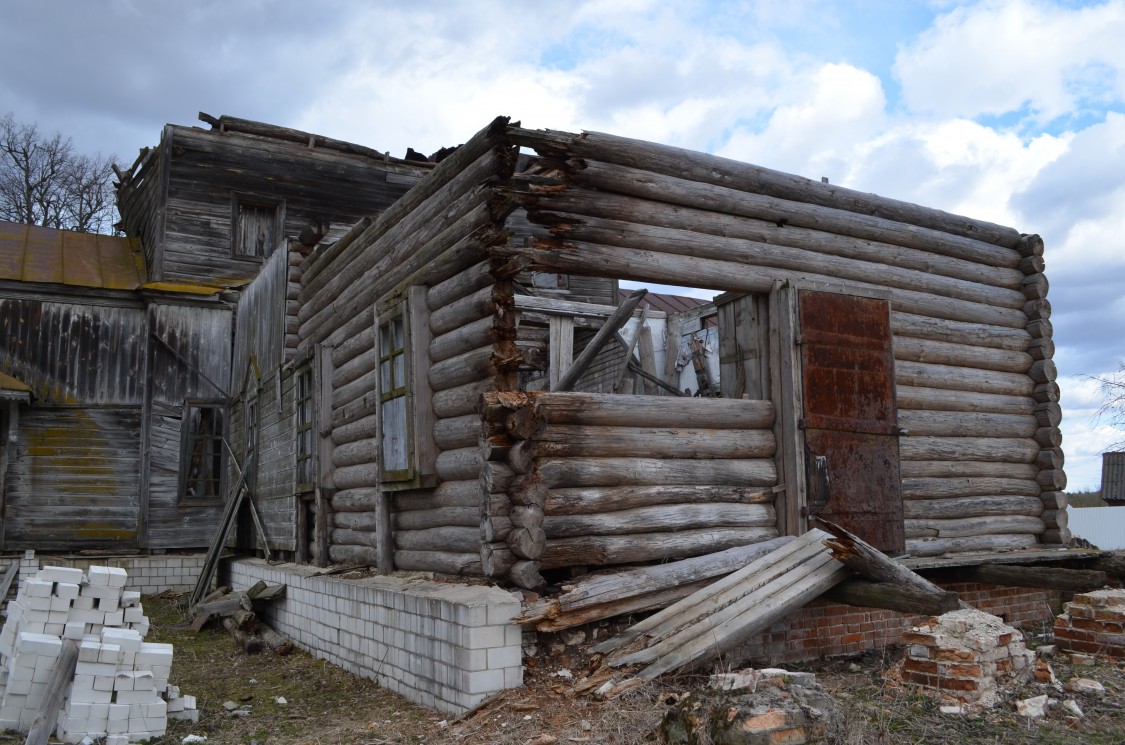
<point>996,57</point>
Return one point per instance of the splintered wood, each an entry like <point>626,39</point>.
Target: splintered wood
<point>724,614</point>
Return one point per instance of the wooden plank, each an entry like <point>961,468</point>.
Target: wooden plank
<point>605,333</point>
<point>786,395</point>
<point>61,676</point>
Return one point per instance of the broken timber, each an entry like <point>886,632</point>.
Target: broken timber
<point>724,614</point>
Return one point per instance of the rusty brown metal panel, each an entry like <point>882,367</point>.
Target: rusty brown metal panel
<point>13,243</point>
<point>42,261</point>
<point>29,253</point>
<point>850,417</point>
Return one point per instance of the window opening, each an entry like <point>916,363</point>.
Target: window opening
<point>203,451</point>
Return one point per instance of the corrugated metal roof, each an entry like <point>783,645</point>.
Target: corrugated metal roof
<point>666,303</point>
<point>29,253</point>
<point>1113,477</point>
<point>1102,526</point>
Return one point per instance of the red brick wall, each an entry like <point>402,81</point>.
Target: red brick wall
<point>824,629</point>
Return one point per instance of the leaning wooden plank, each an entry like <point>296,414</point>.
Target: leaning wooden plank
<point>211,561</point>
<point>556,619</point>
<point>57,686</point>
<point>605,333</point>
<point>223,606</point>
<point>271,592</point>
<point>764,566</point>
<point>750,616</point>
<point>6,580</point>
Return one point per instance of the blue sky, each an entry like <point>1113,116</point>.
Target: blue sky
<point>1005,110</point>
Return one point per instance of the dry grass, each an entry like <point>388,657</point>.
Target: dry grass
<point>328,706</point>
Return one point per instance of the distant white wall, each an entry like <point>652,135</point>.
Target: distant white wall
<point>1102,526</point>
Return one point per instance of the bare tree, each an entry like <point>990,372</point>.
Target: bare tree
<point>1112,410</point>
<point>43,181</point>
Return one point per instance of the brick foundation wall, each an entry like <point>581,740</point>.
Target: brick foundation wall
<point>823,629</point>
<point>445,646</point>
<point>148,574</point>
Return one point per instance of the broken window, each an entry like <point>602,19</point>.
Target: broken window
<point>202,440</point>
<point>395,415</point>
<point>304,428</point>
<point>256,225</point>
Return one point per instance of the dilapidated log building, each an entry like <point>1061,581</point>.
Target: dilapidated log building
<point>432,367</point>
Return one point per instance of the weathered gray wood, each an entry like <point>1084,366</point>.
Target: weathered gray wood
<point>627,549</point>
<point>457,432</point>
<point>1053,480</point>
<point>967,469</point>
<point>959,332</point>
<point>660,518</point>
<point>527,542</point>
<point>599,500</point>
<point>997,449</point>
<point>575,472</point>
<point>478,364</point>
<point>939,546</point>
<point>891,596</point>
<point>355,453</point>
<point>1048,414</point>
<point>354,500</point>
<point>365,428</point>
<point>525,574</point>
<point>973,526</point>
<point>1048,437</point>
<point>607,410</point>
<point>450,562</point>
<point>866,560</point>
<point>462,464</point>
<point>943,488</point>
<point>972,506</point>
<point>460,285</point>
<point>1055,518</point>
<point>481,304</point>
<point>551,618</point>
<point>911,397</point>
<point>482,332</point>
<point>961,355</point>
<point>949,377</point>
<point>605,333</point>
<point>1053,536</point>
<point>562,440</point>
<point>1047,577</point>
<point>356,367</point>
<point>463,399</point>
<point>353,477</point>
<point>966,424</point>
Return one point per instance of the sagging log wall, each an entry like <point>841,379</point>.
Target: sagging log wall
<point>435,238</point>
<point>599,479</point>
<point>981,463</point>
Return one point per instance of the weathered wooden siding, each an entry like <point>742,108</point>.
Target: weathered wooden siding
<point>141,200</point>
<point>275,490</point>
<point>972,341</point>
<point>260,321</point>
<point>207,167</point>
<point>77,352</point>
<point>436,237</point>
<point>198,370</point>
<point>74,480</point>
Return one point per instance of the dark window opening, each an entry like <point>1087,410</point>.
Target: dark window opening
<point>202,463</point>
<point>304,429</point>
<point>256,226</point>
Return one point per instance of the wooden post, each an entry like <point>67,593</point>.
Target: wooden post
<point>62,674</point>
<point>785,393</point>
<point>561,346</point>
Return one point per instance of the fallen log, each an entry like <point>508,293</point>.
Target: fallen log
<point>892,596</point>
<point>249,643</point>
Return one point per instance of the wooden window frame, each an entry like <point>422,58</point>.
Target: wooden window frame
<point>238,202</point>
<point>188,438</point>
<point>304,430</point>
<point>421,453</point>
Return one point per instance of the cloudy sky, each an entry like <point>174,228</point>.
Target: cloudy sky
<point>1009,110</point>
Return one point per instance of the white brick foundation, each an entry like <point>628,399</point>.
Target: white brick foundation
<point>448,647</point>
<point>148,575</point>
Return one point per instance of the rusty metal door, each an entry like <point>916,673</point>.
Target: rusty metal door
<point>850,418</point>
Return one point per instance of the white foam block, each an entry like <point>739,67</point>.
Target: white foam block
<point>41,644</point>
<point>70,575</point>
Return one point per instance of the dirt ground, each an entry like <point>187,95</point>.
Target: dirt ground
<point>299,700</point>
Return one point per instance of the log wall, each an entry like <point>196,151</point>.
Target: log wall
<point>595,479</point>
<point>436,237</point>
<point>981,462</point>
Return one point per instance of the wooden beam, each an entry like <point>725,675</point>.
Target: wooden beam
<point>612,325</point>
<point>892,596</point>
<point>1051,578</point>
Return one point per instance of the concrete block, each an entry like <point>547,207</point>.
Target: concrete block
<point>36,588</point>
<point>70,575</point>
<point>39,644</point>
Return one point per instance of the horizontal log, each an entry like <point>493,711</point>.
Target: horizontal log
<point>457,432</point>
<point>355,500</point>
<point>598,500</point>
<point>607,550</point>
<point>1040,329</point>
<point>966,424</point>
<point>959,332</point>
<point>461,284</point>
<point>668,173</point>
<point>453,539</point>
<point>365,521</point>
<point>1041,349</point>
<point>1055,518</point>
<point>354,390</point>
<point>355,453</point>
<point>911,397</point>
<point>353,554</point>
<point>483,332</point>
<point>948,377</point>
<point>1035,286</point>
<point>360,365</point>
<point>735,274</point>
<point>440,562</point>
<point>462,464</point>
<point>1053,480</point>
<point>610,410</point>
<point>351,477</point>
<point>526,516</point>
<point>496,559</point>
<point>465,517</point>
<point>1043,371</point>
<point>495,478</point>
<point>973,526</point>
<point>937,546</point>
<point>479,364</point>
<point>353,411</point>
<point>1053,500</point>
<point>356,344</point>
<point>574,472</point>
<point>527,543</point>
<point>944,469</point>
<point>997,449</point>
<point>943,488</point>
<point>526,574</point>
<point>660,518</point>
<point>1048,414</point>
<point>577,441</point>
<point>364,428</point>
<point>1047,577</point>
<point>447,494</point>
<point>464,399</point>
<point>1054,536</point>
<point>902,598</point>
<point>1037,310</point>
<point>957,507</point>
<point>528,490</point>
<point>1048,437</point>
<point>961,355</point>
<point>481,304</point>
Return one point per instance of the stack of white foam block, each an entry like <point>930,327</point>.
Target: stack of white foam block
<point>120,688</point>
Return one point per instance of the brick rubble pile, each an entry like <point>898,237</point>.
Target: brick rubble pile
<point>1093,623</point>
<point>120,688</point>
